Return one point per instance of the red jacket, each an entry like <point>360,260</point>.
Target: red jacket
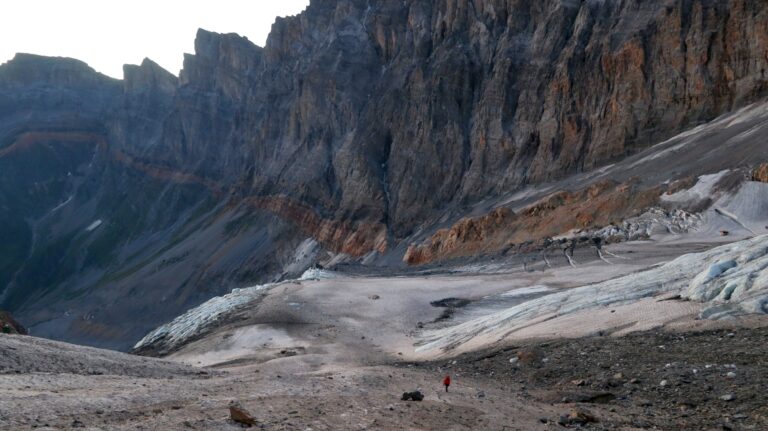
<point>447,381</point>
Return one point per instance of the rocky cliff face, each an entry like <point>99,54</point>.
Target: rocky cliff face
<point>357,124</point>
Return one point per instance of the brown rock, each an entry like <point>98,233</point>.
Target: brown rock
<point>238,414</point>
<point>594,206</point>
<point>527,357</point>
<point>577,417</point>
<point>760,173</point>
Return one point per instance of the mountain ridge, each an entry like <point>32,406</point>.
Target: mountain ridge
<point>359,125</point>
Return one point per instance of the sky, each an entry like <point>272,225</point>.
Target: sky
<point>107,34</point>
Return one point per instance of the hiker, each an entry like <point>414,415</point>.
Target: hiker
<point>447,382</point>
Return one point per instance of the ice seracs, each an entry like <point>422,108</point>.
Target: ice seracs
<point>318,274</point>
<point>729,280</point>
<point>197,320</point>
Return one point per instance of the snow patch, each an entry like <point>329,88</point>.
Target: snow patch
<point>61,205</point>
<point>703,189</point>
<point>93,226</point>
<point>303,256</point>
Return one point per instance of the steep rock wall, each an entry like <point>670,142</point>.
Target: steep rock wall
<point>358,123</point>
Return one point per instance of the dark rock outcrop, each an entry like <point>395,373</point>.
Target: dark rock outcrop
<point>9,325</point>
<point>358,123</point>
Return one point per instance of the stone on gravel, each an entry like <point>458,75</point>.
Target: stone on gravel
<point>728,397</point>
<point>527,356</point>
<point>412,396</point>
<point>238,414</point>
<point>577,417</point>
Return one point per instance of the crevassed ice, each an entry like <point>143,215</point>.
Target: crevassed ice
<point>318,274</point>
<point>731,279</point>
<point>198,319</point>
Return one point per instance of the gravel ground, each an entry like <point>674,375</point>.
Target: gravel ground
<point>712,380</point>
<point>23,355</point>
<point>652,380</point>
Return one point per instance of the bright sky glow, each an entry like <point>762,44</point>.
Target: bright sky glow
<point>107,34</point>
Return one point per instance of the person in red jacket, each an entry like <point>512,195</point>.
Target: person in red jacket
<point>447,382</point>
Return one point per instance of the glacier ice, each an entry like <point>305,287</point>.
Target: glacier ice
<point>197,320</point>
<point>730,280</point>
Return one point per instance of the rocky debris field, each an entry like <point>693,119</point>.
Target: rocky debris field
<point>25,355</point>
<point>708,380</point>
<point>653,380</point>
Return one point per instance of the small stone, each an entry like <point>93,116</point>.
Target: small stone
<point>514,360</point>
<point>634,381</point>
<point>580,382</point>
<point>731,375</point>
<point>618,376</point>
<point>577,417</point>
<point>663,383</point>
<point>238,414</point>
<point>412,396</point>
<point>526,356</point>
<point>728,397</point>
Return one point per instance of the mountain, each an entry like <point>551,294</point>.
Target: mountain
<point>358,131</point>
